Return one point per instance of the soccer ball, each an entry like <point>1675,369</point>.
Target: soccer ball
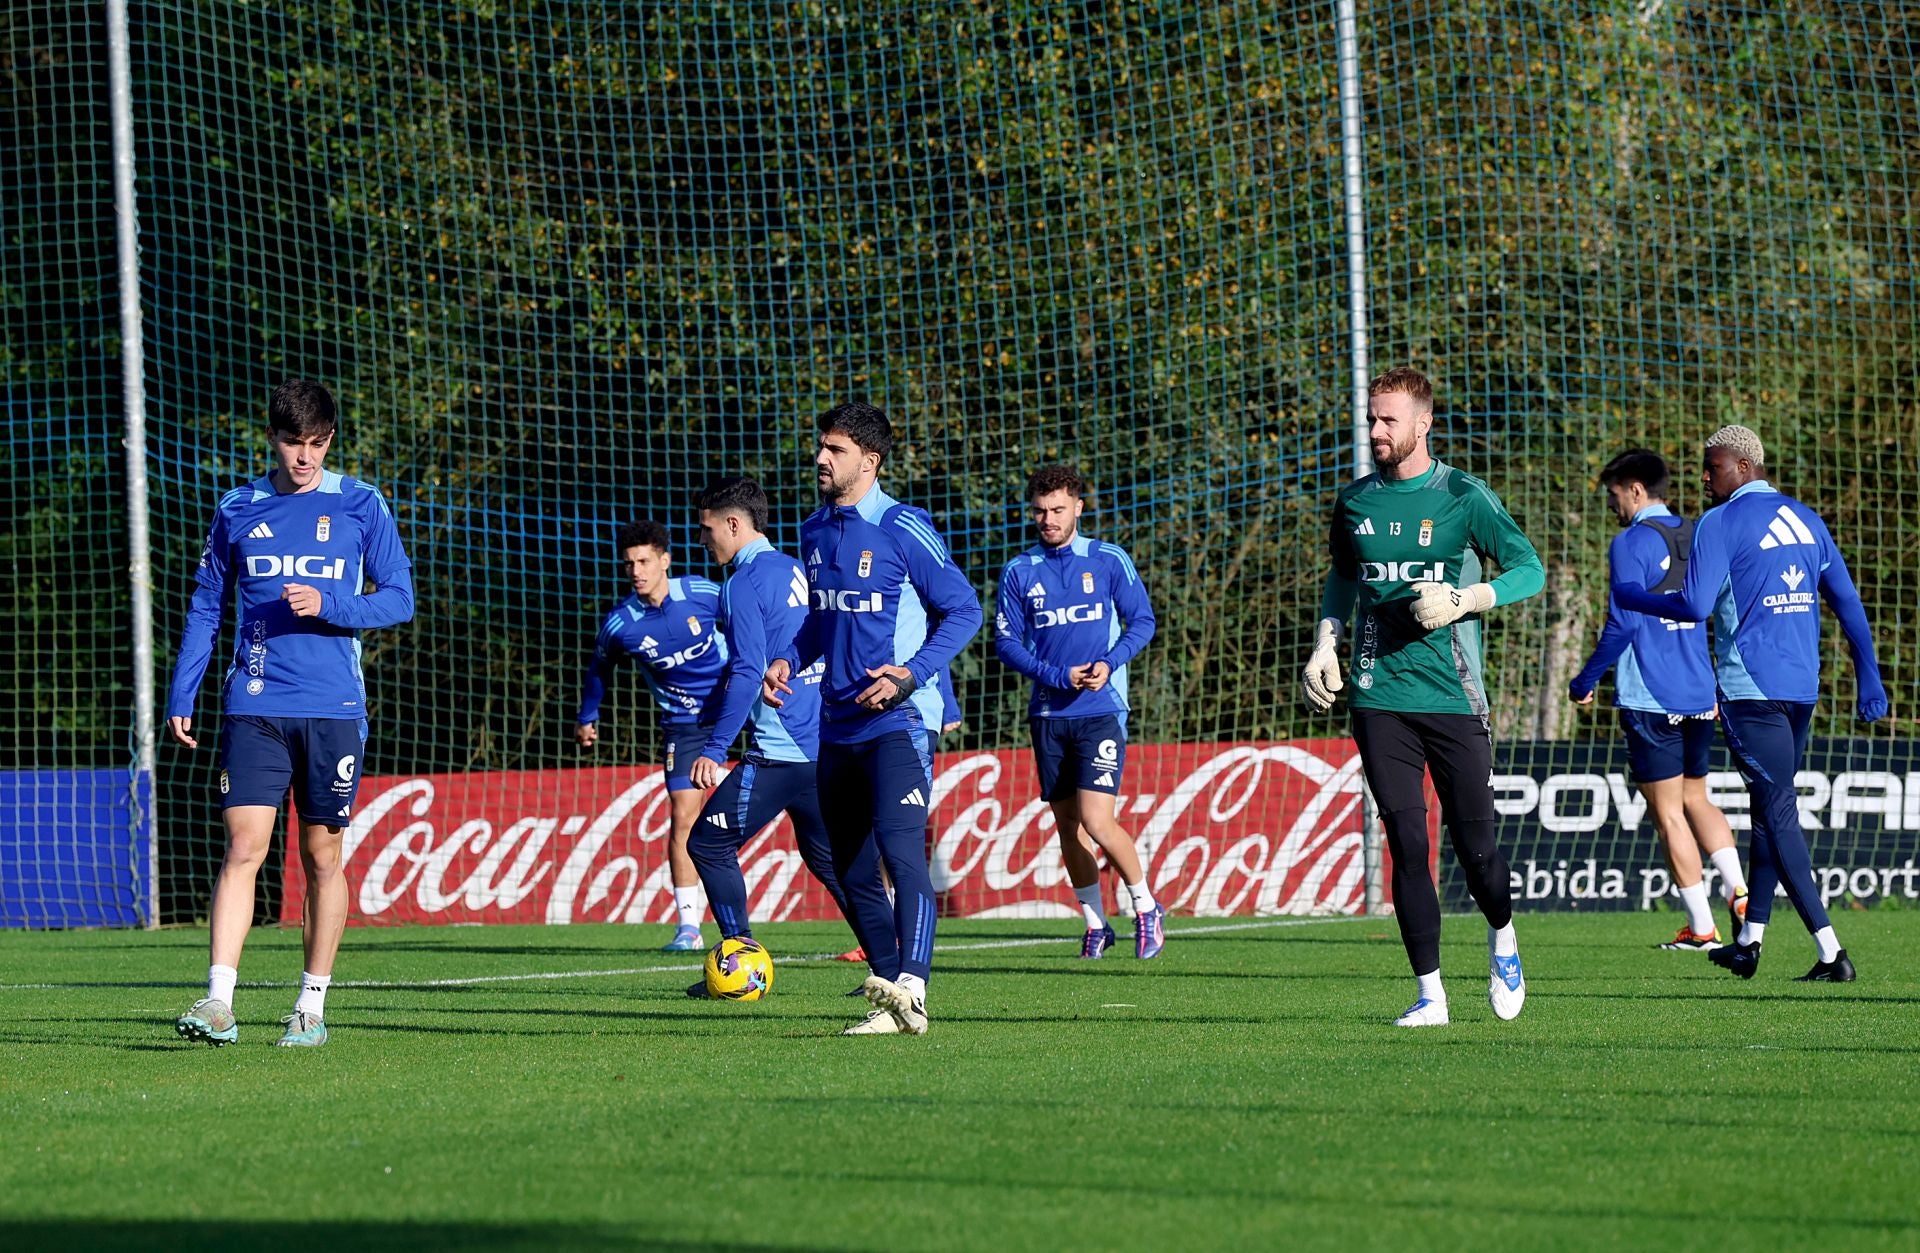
<point>738,970</point>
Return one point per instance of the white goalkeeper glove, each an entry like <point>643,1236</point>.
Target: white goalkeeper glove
<point>1441,604</point>
<point>1321,679</point>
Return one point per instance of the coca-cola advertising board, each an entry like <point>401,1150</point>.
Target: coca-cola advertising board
<point>1222,828</point>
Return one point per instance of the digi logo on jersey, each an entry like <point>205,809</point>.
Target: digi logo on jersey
<point>1068,614</point>
<point>287,565</point>
<point>847,600</point>
<point>1403,571</point>
<point>682,657</point>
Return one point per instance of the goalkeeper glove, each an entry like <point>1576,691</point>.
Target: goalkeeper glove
<point>1441,604</point>
<point>1321,679</point>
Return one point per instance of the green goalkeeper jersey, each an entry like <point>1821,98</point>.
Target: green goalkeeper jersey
<point>1388,534</point>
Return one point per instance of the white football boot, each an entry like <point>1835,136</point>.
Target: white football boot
<point>877,1022</point>
<point>1424,1013</point>
<point>1506,986</point>
<point>909,1012</point>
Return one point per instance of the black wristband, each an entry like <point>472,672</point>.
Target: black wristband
<point>903,687</point>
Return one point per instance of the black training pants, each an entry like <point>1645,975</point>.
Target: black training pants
<point>1396,749</point>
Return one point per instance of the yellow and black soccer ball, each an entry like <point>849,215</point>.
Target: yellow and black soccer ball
<point>738,970</point>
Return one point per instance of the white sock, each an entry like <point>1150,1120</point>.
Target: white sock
<point>1430,989</point>
<point>1727,862</point>
<point>220,981</point>
<point>1093,905</point>
<point>1142,897</point>
<point>1829,943</point>
<point>687,901</point>
<point>1699,913</point>
<point>313,994</point>
<point>914,986</point>
<point>1750,932</point>
<point>1505,943</point>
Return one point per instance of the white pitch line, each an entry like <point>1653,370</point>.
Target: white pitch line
<point>682,968</point>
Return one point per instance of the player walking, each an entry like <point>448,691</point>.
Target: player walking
<point>1060,621</point>
<point>667,626</point>
<point>762,605</point>
<point>296,551</point>
<point>1408,544</point>
<point>1761,562</point>
<point>877,572</point>
<point>1663,686</point>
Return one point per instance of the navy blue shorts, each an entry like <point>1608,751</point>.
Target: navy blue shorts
<point>684,746</point>
<point>1666,746</point>
<point>1079,754</point>
<point>319,758</point>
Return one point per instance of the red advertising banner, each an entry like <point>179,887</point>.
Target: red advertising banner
<point>1223,829</point>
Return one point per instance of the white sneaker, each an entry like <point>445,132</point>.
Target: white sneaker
<point>1424,1013</point>
<point>909,1012</point>
<point>877,1022</point>
<point>1506,986</point>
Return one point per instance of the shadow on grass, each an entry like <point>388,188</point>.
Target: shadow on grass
<point>400,1237</point>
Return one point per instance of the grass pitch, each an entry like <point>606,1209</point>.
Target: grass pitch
<point>1243,1090</point>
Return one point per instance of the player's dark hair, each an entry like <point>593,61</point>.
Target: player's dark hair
<point>862,423</point>
<point>1050,479</point>
<point>735,494</point>
<point>1404,378</point>
<point>1642,466</point>
<point>647,534</point>
<point>302,408</point>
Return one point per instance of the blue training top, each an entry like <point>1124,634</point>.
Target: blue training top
<point>335,538</point>
<point>1757,562</point>
<point>878,572</point>
<point>679,651</point>
<point>762,606</point>
<point>1662,666</point>
<point>1064,607</point>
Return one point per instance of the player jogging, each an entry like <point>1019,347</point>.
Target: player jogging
<point>1761,562</point>
<point>762,605</point>
<point>310,558</point>
<point>878,572</point>
<point>1072,613</point>
<point>667,626</point>
<point>1408,544</point>
<point>1663,686</point>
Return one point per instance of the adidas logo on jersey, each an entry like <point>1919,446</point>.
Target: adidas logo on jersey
<point>797,596</point>
<point>263,531</point>
<point>1785,530</point>
<point>1365,527</point>
<point>1103,779</point>
<point>647,641</point>
<point>915,797</point>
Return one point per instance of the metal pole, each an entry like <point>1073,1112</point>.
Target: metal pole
<point>133,388</point>
<point>1354,194</point>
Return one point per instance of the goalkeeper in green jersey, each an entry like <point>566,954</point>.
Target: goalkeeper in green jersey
<point>1409,544</point>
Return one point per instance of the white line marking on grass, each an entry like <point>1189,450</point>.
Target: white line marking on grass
<point>1271,924</point>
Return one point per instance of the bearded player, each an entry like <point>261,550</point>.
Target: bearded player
<point>1409,544</point>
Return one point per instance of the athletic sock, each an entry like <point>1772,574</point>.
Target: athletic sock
<point>220,981</point>
<point>1699,913</point>
<point>1093,905</point>
<point>1430,988</point>
<point>1727,862</point>
<point>1505,942</point>
<point>1750,932</point>
<point>313,994</point>
<point>1142,897</point>
<point>687,902</point>
<point>914,986</point>
<point>1829,943</point>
